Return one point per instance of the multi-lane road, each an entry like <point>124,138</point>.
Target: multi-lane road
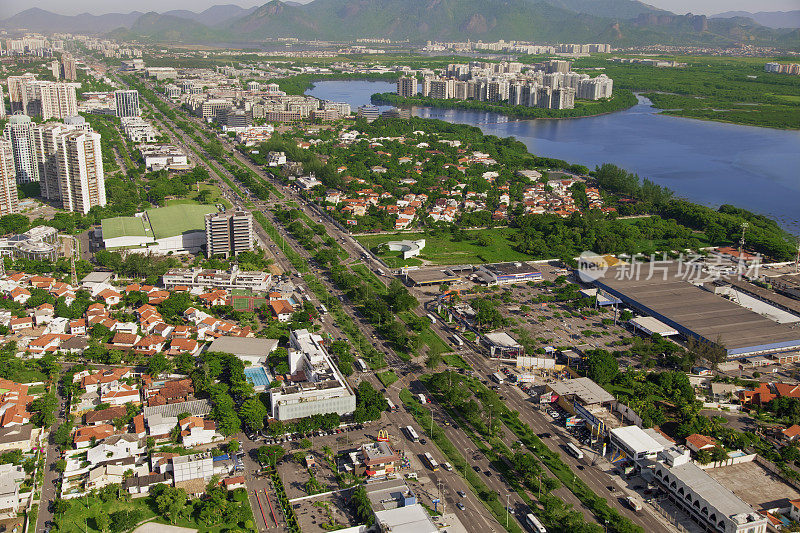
<point>475,514</point>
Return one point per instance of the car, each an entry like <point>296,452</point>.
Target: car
<point>461,506</point>
<point>487,473</point>
<point>461,493</point>
<point>423,441</point>
<point>477,468</point>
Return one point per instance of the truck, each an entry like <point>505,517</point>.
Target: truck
<point>447,466</point>
<point>634,503</point>
<point>457,340</point>
<point>362,366</point>
<point>422,399</point>
<point>498,378</point>
<point>412,435</point>
<point>574,451</point>
<point>431,318</point>
<point>432,464</point>
<point>534,524</point>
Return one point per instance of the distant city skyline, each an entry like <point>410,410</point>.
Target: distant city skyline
<point>99,7</point>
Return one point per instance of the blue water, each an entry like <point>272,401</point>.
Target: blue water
<point>706,162</point>
<point>258,376</point>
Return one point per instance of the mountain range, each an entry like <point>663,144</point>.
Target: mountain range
<point>619,22</point>
<point>771,19</point>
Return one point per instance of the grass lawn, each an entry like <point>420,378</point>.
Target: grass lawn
<point>434,343</point>
<point>387,378</point>
<point>81,518</point>
<point>441,250</point>
<point>37,389</point>
<point>214,198</point>
<point>369,277</point>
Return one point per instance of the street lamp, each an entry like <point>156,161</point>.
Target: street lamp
<point>507,495</point>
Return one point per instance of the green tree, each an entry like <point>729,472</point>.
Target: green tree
<point>601,366</point>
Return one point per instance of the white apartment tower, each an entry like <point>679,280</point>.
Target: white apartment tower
<point>127,103</point>
<point>229,233</point>
<point>19,133</point>
<point>9,203</point>
<point>2,104</point>
<point>18,92</point>
<point>80,171</point>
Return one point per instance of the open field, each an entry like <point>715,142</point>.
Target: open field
<point>442,250</point>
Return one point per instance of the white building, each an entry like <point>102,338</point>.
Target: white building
<point>164,156</point>
<point>139,130</point>
<point>189,467</point>
<point>80,171</point>
<point>19,132</point>
<point>316,386</point>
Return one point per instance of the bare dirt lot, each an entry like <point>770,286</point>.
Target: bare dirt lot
<point>755,485</point>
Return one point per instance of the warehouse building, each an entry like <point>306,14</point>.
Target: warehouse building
<point>698,313</point>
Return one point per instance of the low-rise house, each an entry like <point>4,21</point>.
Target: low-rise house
<point>233,483</point>
<point>121,395</point>
<point>20,295</point>
<point>160,426</point>
<point>44,314</point>
<point>115,448</point>
<point>150,344</point>
<point>143,484</point>
<point>18,437</point>
<point>281,310</point>
<point>106,380</point>
<point>124,340</point>
<point>105,416</point>
<point>698,442</point>
<point>87,436</point>
<point>196,431</point>
<point>19,324</point>
<point>110,296</point>
<point>77,327</point>
<point>792,433</point>
<point>179,346</point>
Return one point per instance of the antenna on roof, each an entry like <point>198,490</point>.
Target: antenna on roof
<point>745,225</point>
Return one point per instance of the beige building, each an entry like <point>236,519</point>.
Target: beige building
<point>229,233</point>
<point>80,171</point>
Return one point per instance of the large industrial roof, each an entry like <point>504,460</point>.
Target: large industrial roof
<point>586,390</point>
<point>690,308</point>
<point>178,219</point>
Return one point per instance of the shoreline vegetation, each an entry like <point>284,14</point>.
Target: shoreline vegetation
<point>622,99</point>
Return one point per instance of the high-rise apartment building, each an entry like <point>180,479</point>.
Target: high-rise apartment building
<point>55,69</point>
<point>80,171</point>
<point>2,104</point>
<point>407,86</point>
<point>19,133</point>
<point>18,91</point>
<point>9,202</point>
<point>47,139</point>
<point>229,233</point>
<point>48,99</point>
<point>69,67</point>
<point>127,103</point>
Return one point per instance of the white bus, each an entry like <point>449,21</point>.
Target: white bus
<point>422,399</point>
<point>323,310</point>
<point>390,404</point>
<point>498,378</point>
<point>534,524</point>
<point>432,464</point>
<point>432,318</point>
<point>362,365</point>
<point>574,451</point>
<point>457,340</point>
<point>412,434</point>
<point>447,466</point>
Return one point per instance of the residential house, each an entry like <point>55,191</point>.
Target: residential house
<point>697,442</point>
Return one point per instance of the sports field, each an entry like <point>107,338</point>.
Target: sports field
<point>123,226</point>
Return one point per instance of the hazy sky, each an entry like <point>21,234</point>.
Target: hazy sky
<point>71,7</point>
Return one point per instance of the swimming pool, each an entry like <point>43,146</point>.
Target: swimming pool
<point>258,376</point>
